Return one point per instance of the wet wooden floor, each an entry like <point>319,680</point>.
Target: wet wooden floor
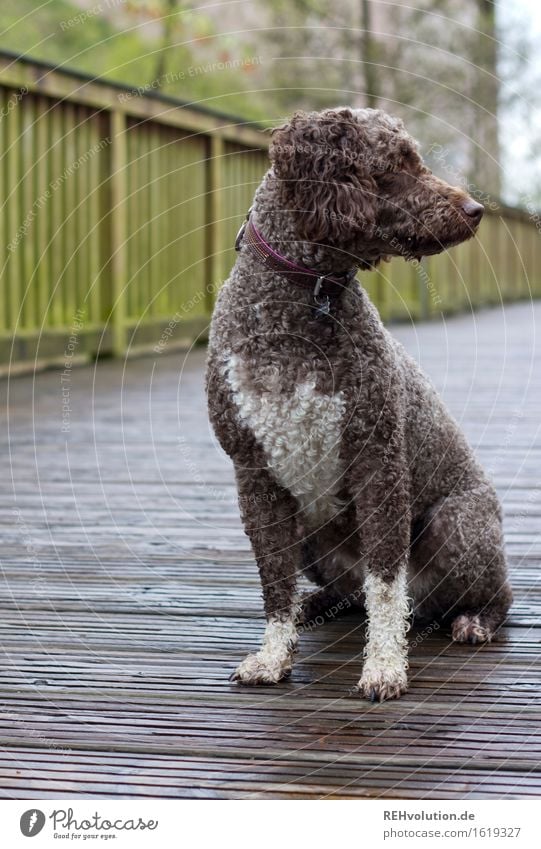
<point>129,594</point>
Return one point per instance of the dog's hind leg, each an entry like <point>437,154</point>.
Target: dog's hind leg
<point>458,570</point>
<point>269,516</point>
<point>478,626</point>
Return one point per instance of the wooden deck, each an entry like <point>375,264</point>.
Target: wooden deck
<point>129,594</point>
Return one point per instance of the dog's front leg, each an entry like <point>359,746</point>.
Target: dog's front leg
<point>384,673</point>
<point>384,525</point>
<point>269,516</point>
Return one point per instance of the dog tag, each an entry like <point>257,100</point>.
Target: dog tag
<point>322,304</point>
<point>322,307</point>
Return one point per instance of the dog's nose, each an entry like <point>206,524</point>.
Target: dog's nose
<point>473,209</point>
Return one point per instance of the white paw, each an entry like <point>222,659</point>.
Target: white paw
<point>381,684</point>
<point>263,668</point>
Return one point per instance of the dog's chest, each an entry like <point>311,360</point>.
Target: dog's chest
<point>299,429</point>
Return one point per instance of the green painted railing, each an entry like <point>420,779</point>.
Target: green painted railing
<point>118,213</point>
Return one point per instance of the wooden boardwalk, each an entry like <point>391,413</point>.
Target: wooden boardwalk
<point>128,595</point>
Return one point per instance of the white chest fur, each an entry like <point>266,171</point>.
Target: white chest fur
<point>300,433</point>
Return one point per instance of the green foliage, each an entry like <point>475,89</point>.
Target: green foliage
<point>61,32</point>
<point>198,67</point>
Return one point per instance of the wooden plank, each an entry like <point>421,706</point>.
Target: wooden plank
<point>162,179</point>
<point>71,260</point>
<point>83,224</point>
<point>132,218</point>
<point>93,218</point>
<point>119,233</point>
<point>28,196</point>
<point>15,217</point>
<point>3,224</point>
<point>172,224</point>
<point>56,315</point>
<point>214,244</point>
<point>129,594</point>
<point>43,258</point>
<point>144,289</point>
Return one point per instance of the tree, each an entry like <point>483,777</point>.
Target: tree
<point>434,63</point>
<point>369,55</point>
<point>486,147</point>
<point>170,11</point>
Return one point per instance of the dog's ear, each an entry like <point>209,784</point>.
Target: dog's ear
<point>322,160</point>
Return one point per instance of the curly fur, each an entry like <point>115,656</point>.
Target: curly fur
<point>348,465</point>
<point>275,658</point>
<point>300,434</point>
<point>386,648</point>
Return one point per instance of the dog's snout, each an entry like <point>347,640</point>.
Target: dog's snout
<point>473,209</point>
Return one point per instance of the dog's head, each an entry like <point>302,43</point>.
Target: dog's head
<point>355,179</point>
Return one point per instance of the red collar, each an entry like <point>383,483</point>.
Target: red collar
<point>325,287</point>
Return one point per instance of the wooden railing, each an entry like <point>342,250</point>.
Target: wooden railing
<point>118,213</point>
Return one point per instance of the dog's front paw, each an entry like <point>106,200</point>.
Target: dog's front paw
<point>262,668</point>
<point>377,685</point>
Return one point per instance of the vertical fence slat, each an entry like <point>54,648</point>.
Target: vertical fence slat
<point>14,216</point>
<point>83,282</point>
<point>214,241</point>
<point>43,211</point>
<point>93,218</point>
<point>72,268</point>
<point>155,268</point>
<point>3,228</point>
<point>171,190</point>
<point>118,224</point>
<point>535,260</point>
<point>131,218</point>
<point>56,222</point>
<point>146,215</point>
<point>27,107</point>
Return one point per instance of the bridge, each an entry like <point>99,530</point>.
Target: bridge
<point>129,594</point>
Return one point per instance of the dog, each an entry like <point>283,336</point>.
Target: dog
<point>349,468</point>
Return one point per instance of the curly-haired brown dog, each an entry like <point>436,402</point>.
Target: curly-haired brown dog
<point>348,465</point>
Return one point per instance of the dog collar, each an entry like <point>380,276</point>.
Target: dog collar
<point>324,287</point>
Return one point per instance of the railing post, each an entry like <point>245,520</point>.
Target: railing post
<point>215,218</point>
<point>119,230</point>
<point>422,273</point>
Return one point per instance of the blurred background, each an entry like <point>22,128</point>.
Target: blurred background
<point>464,74</point>
<point>133,135</point>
